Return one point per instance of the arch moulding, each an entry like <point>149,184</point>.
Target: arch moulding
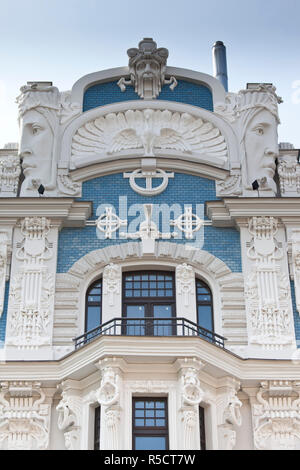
<point>227,287</point>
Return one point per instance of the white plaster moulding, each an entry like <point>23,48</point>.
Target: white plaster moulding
<point>82,363</point>
<point>161,154</point>
<point>225,129</point>
<point>113,74</point>
<point>66,210</point>
<point>119,166</point>
<point>227,211</point>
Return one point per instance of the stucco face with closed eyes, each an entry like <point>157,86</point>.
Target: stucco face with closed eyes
<point>36,148</point>
<point>261,146</point>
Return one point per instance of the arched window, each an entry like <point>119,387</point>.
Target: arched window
<point>93,307</point>
<point>149,300</point>
<point>205,317</point>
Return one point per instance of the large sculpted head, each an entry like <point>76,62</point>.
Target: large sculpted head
<point>39,119</point>
<point>147,66</point>
<point>258,112</point>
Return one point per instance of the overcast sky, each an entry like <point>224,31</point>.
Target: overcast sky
<point>62,40</point>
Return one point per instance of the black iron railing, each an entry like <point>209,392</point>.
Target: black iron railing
<point>150,327</point>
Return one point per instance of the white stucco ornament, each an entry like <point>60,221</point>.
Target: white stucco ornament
<point>148,231</point>
<point>39,121</point>
<point>108,393</point>
<point>32,290</point>
<point>109,222</point>
<point>276,416</point>
<point>149,130</point>
<point>24,416</point>
<point>42,112</point>
<point>147,67</point>
<point>253,113</point>
<point>267,289</point>
<point>10,170</point>
<point>191,392</point>
<point>188,223</point>
<point>149,175</point>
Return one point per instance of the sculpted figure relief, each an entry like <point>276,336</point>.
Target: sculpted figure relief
<point>147,66</point>
<point>254,115</point>
<point>259,137</point>
<point>39,119</point>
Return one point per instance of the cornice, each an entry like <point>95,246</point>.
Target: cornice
<point>218,362</point>
<point>107,75</point>
<point>165,163</point>
<point>231,211</point>
<point>66,211</point>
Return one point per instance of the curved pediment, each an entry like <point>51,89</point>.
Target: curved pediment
<point>142,129</point>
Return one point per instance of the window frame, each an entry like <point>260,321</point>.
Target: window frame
<point>87,303</point>
<point>209,303</point>
<point>149,301</point>
<point>150,431</point>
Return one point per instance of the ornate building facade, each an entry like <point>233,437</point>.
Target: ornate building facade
<point>150,264</point>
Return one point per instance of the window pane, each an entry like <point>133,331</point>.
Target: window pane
<point>150,422</point>
<point>164,327</point>
<point>150,404</point>
<point>160,422</point>
<point>93,317</point>
<point>160,404</point>
<point>135,327</point>
<point>205,317</point>
<point>150,443</point>
<point>139,422</point>
<point>149,285</point>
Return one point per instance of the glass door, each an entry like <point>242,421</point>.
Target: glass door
<point>162,327</point>
<point>136,326</point>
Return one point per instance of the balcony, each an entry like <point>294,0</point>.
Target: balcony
<point>150,327</point>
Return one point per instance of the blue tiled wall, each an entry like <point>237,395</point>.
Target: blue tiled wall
<point>4,316</point>
<point>296,314</point>
<point>185,92</point>
<point>183,189</point>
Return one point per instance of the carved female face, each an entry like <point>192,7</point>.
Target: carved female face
<point>36,147</point>
<point>261,145</point>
